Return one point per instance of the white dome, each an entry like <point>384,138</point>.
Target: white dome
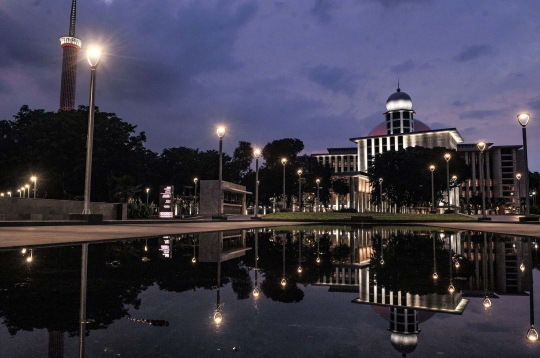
<point>404,343</point>
<point>399,100</point>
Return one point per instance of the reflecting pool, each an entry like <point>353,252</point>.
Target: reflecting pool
<point>304,291</point>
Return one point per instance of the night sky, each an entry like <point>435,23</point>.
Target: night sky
<point>317,70</point>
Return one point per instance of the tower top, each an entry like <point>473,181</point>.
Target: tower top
<point>73,18</point>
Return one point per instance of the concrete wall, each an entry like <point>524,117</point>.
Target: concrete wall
<point>50,209</point>
<point>210,198</point>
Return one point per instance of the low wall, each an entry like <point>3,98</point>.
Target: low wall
<point>51,209</point>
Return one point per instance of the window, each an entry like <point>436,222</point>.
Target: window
<point>406,115</point>
<point>396,115</point>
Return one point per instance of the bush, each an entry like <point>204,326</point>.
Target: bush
<point>136,209</point>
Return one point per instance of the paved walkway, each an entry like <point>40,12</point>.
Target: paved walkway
<point>509,228</point>
<point>19,236</point>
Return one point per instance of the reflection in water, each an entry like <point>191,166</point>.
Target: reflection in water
<point>404,275</point>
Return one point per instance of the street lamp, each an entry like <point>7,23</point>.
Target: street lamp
<point>380,192</point>
<point>34,179</point>
<point>447,157</point>
<point>27,186</point>
<point>220,133</point>
<point>299,190</point>
<point>257,154</point>
<point>534,197</point>
<point>532,334</point>
<point>20,193</point>
<point>318,181</point>
<point>523,119</point>
<point>456,199</point>
<point>147,193</point>
<point>195,181</point>
<point>435,275</point>
<point>9,193</point>
<point>94,56</point>
<point>518,177</point>
<point>432,168</point>
<point>482,146</point>
<point>284,162</point>
<point>23,191</point>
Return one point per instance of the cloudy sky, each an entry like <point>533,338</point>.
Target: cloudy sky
<point>317,70</point>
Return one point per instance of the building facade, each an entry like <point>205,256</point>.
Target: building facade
<point>401,130</point>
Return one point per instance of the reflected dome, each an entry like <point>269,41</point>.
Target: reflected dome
<point>398,100</point>
<point>404,343</point>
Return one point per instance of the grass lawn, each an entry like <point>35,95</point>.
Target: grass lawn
<point>376,217</point>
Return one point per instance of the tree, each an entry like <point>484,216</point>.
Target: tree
<point>407,178</point>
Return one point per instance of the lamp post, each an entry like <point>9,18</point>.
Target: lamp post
<point>20,193</point>
<point>9,193</point>
<point>147,193</point>
<point>523,119</point>
<point>299,190</point>
<point>451,288</point>
<point>27,186</point>
<point>435,275</point>
<point>380,194</point>
<point>221,133</point>
<point>456,198</point>
<point>432,168</point>
<point>34,179</point>
<point>518,177</point>
<point>447,157</point>
<point>534,197</point>
<point>257,155</point>
<point>318,181</point>
<point>94,56</point>
<point>482,146</point>
<point>195,181</point>
<point>284,162</point>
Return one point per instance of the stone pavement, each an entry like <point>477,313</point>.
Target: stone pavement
<point>18,236</point>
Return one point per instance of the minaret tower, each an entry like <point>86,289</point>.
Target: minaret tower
<point>71,46</point>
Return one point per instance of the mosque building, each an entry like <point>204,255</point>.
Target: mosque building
<point>401,130</point>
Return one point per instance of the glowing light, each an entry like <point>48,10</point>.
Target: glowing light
<point>29,259</point>
<point>451,289</point>
<point>522,267</point>
<point>33,178</point>
<point>432,167</point>
<point>487,302</point>
<point>447,157</point>
<point>256,292</point>
<point>518,176</point>
<point>532,334</point>
<point>23,251</point>
<point>318,260</point>
<point>193,259</point>
<point>218,317</point>
<point>382,262</point>
<point>283,282</point>
<point>145,248</point>
<point>299,269</point>
<point>283,161</point>
<point>220,132</point>
<point>257,153</point>
<point>299,171</point>
<point>481,146</point>
<point>456,264</point>
<point>435,276</point>
<point>94,56</point>
<point>523,119</point>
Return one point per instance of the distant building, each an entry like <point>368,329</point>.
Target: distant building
<point>400,130</point>
<point>234,198</point>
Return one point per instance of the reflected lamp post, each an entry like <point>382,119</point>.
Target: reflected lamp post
<point>220,133</point>
<point>523,119</point>
<point>432,169</point>
<point>482,146</point>
<point>447,157</point>
<point>380,194</point>
<point>532,334</point>
<point>34,179</point>
<point>318,181</point>
<point>518,177</point>
<point>283,280</point>
<point>435,275</point>
<point>299,253</point>
<point>451,288</point>
<point>299,190</point>
<point>94,56</point>
<point>456,198</point>
<point>257,154</point>
<point>284,162</point>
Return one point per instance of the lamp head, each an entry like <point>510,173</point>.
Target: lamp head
<point>487,302</point>
<point>27,186</point>
<point>283,161</point>
<point>33,178</point>
<point>432,167</point>
<point>147,190</point>
<point>523,119</point>
<point>257,153</point>
<point>518,176</point>
<point>318,181</point>
<point>299,171</point>
<point>447,157</point>
<point>195,180</point>
<point>454,177</point>
<point>481,146</point>
<point>94,56</point>
<point>532,334</point>
<point>380,180</point>
<point>220,132</point>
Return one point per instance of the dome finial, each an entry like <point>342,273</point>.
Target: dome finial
<point>398,89</point>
